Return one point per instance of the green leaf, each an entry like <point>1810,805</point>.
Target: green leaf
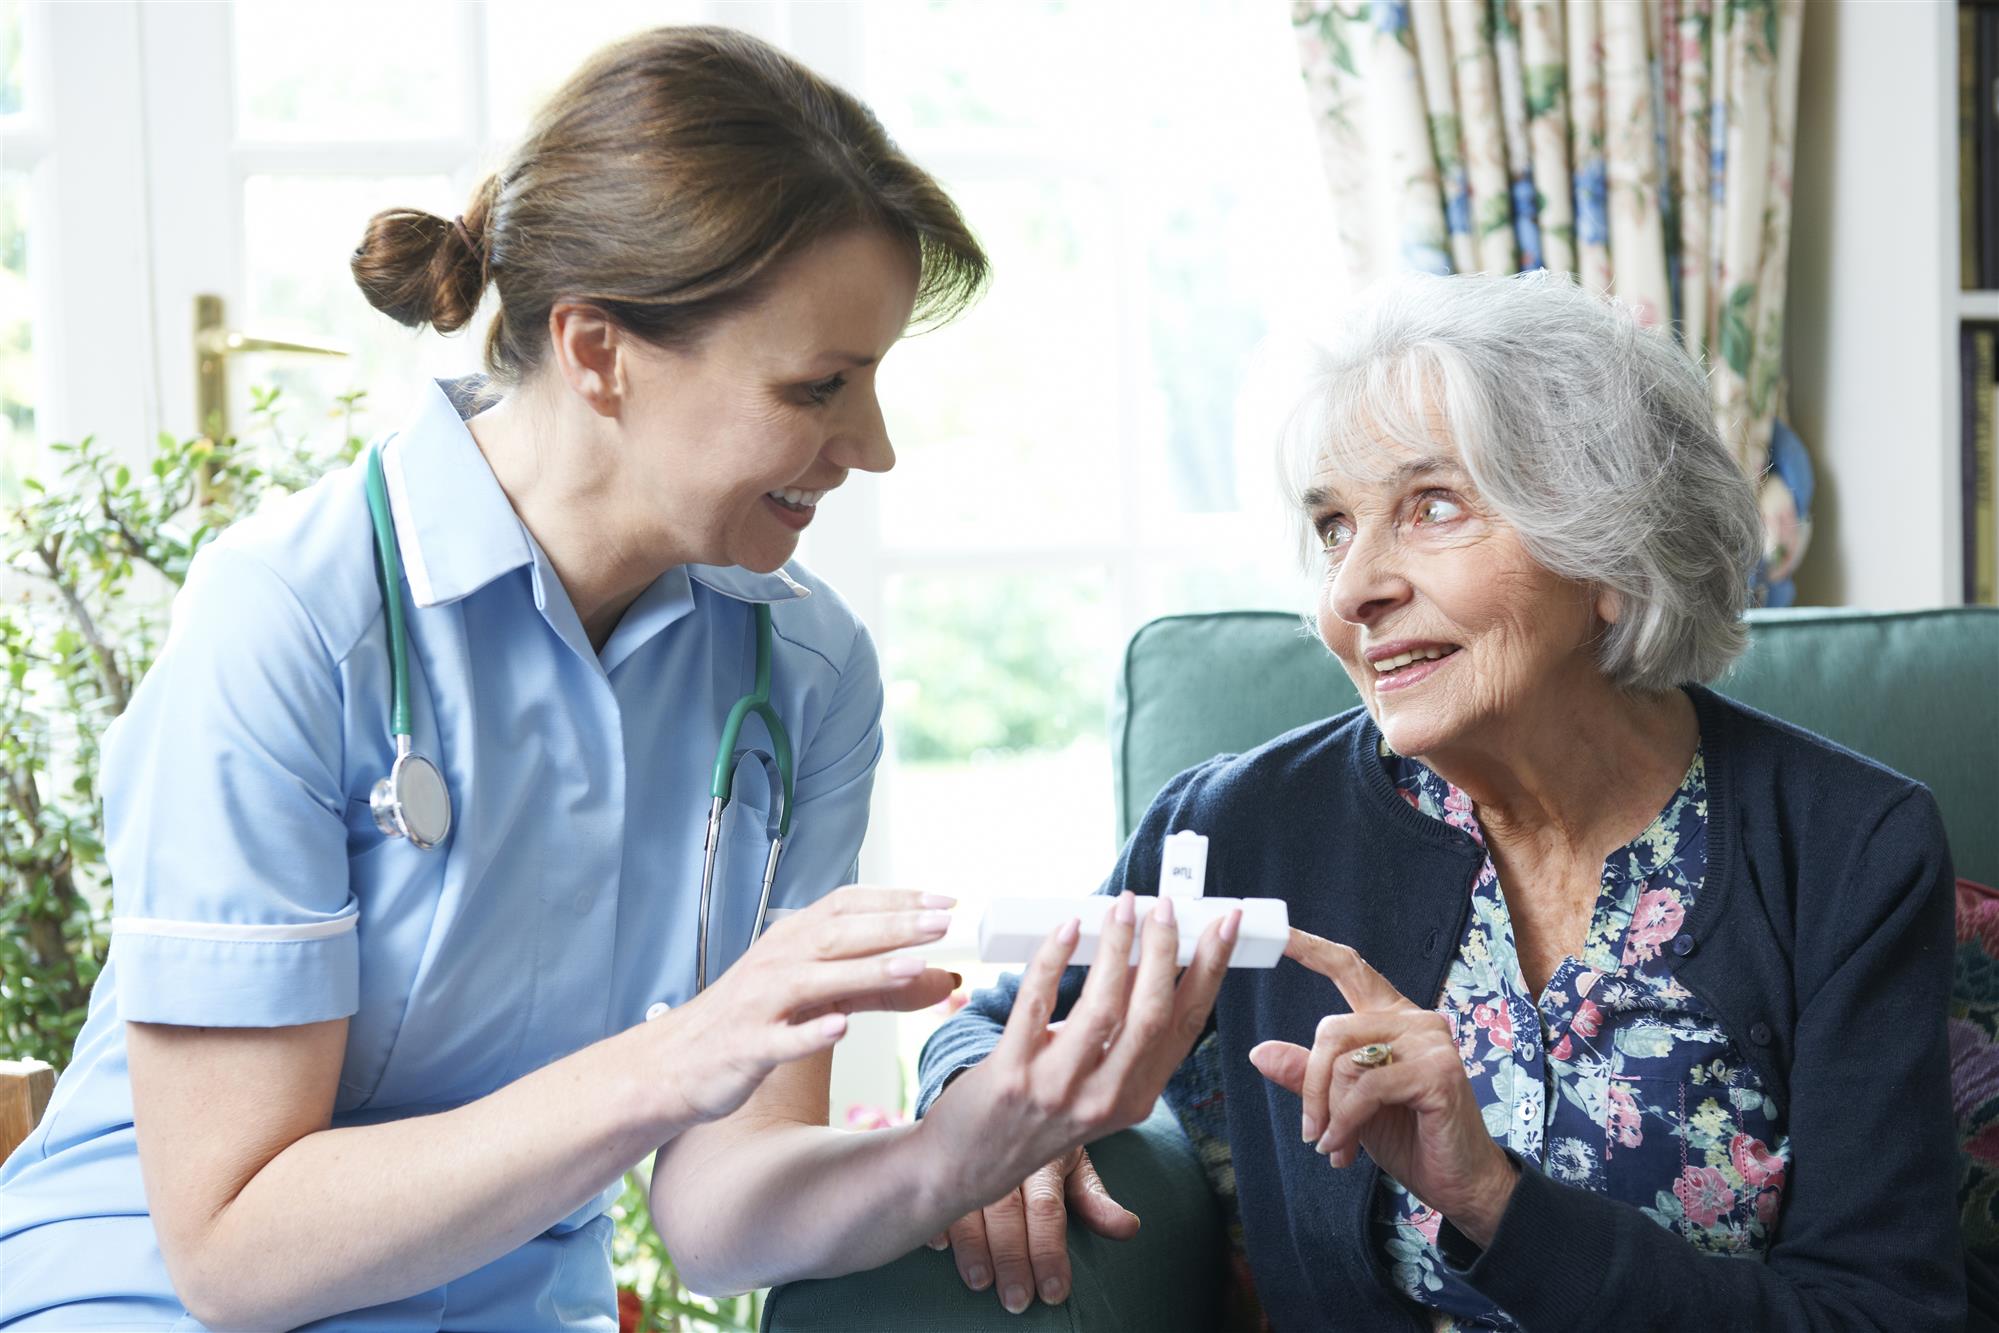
<point>1545,87</point>
<point>1647,1042</point>
<point>1737,343</point>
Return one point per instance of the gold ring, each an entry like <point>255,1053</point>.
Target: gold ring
<point>1374,1055</point>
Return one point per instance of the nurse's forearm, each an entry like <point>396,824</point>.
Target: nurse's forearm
<point>773,1200</point>
<point>348,1218</point>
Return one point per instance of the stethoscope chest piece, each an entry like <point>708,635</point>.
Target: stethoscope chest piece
<point>412,802</point>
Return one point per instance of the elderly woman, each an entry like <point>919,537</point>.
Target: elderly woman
<point>1606,983</point>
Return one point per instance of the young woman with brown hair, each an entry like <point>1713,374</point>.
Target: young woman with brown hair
<point>377,1051</point>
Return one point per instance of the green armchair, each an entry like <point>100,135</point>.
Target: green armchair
<point>1917,690</point>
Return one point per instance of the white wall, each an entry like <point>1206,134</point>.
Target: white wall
<point>1871,336</point>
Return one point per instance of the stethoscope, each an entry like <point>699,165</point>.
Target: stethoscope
<point>413,802</point>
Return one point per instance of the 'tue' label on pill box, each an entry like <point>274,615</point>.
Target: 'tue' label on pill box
<point>1183,865</point>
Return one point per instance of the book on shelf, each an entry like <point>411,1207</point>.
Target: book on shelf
<point>1986,133</point>
<point>1967,148</point>
<point>1978,348</point>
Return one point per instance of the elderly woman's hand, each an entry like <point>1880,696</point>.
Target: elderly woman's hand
<point>1416,1114</point>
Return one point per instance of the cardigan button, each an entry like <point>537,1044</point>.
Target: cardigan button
<point>1683,945</point>
<point>1760,1033</point>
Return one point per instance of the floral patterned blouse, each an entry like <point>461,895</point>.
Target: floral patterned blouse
<point>1617,1079</point>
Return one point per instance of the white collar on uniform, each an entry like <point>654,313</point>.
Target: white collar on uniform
<point>454,527</point>
<point>747,585</point>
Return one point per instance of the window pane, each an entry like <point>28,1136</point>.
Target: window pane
<point>349,71</point>
<point>532,46</point>
<point>13,57</point>
<point>1224,584</point>
<point>1226,236</point>
<point>1005,422</point>
<point>997,701</point>
<point>17,353</point>
<point>973,64</point>
<point>299,233</point>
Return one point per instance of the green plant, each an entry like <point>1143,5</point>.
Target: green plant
<point>663,1303</point>
<point>95,556</point>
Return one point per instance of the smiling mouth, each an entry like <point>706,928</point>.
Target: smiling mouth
<point>1389,667</point>
<point>796,500</point>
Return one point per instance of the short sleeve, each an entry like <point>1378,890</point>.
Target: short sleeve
<point>224,815</point>
<point>836,775</point>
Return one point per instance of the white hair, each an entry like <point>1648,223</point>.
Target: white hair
<point>1591,437</point>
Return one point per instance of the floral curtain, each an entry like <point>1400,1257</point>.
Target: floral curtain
<point>1642,145</point>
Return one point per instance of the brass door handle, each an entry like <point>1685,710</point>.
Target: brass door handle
<point>214,341</point>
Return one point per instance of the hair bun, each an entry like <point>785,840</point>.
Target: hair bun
<point>417,268</point>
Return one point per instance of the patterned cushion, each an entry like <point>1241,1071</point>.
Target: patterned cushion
<point>1974,1065</point>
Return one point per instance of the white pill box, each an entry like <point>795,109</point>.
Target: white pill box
<point>1013,928</point>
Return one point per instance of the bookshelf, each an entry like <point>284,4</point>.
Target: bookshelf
<point>1871,338</point>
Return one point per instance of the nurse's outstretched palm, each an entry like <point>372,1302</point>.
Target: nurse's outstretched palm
<point>788,997</point>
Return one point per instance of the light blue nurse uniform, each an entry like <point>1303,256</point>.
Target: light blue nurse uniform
<point>252,888</point>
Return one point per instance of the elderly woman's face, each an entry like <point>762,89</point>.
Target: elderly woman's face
<point>1438,613</point>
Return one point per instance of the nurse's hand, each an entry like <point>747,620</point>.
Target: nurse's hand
<point>788,997</point>
<point>1045,1091</point>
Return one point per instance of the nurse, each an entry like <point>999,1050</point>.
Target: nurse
<point>334,1077</point>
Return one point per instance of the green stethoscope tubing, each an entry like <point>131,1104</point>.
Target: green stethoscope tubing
<point>778,771</point>
<point>393,811</point>
<point>392,593</point>
<point>757,702</point>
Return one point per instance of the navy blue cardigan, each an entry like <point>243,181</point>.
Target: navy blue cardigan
<point>1821,939</point>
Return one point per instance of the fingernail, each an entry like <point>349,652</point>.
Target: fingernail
<point>977,1277</point>
<point>1015,1299</point>
<point>1163,913</point>
<point>833,1025</point>
<point>1051,1291</point>
<point>1311,1128</point>
<point>934,923</point>
<point>904,965</point>
<point>956,981</point>
<point>1126,911</point>
<point>938,900</point>
<point>1070,930</point>
<point>1325,1144</point>
<point>1229,924</point>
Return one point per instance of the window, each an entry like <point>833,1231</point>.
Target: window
<point>1076,455</point>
